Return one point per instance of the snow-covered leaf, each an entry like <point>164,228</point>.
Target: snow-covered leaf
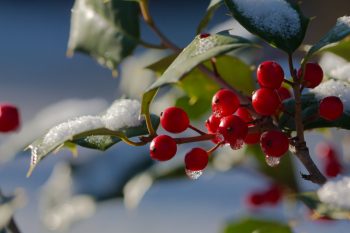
<point>323,209</point>
<point>198,51</point>
<point>106,30</point>
<point>120,120</point>
<point>213,6</point>
<point>339,31</point>
<point>46,119</point>
<point>278,22</point>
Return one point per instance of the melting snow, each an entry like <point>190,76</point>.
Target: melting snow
<point>274,16</point>
<point>334,88</point>
<point>336,193</point>
<point>121,114</point>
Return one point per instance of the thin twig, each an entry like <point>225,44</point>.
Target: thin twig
<point>204,137</point>
<point>299,147</point>
<point>196,130</point>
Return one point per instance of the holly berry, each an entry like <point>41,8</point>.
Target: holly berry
<point>266,101</point>
<point>331,108</point>
<point>224,103</point>
<point>333,168</point>
<point>252,138</point>
<point>326,151</point>
<point>313,75</point>
<point>163,148</point>
<point>274,194</point>
<point>9,118</point>
<point>212,125</point>
<point>233,130</point>
<point>255,199</point>
<point>244,114</point>
<point>283,93</point>
<point>270,75</point>
<point>204,35</point>
<point>274,143</point>
<point>174,120</point>
<point>196,159</point>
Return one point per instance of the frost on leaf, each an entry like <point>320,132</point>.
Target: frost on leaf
<point>336,193</point>
<point>334,88</point>
<point>121,114</point>
<point>276,17</point>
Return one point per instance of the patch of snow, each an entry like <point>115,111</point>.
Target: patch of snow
<point>336,193</point>
<point>330,61</point>
<point>342,73</point>
<point>273,16</point>
<point>334,88</point>
<point>123,113</point>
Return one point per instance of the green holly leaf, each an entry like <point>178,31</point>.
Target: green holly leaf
<point>282,174</point>
<point>341,49</point>
<point>198,51</point>
<point>311,200</point>
<point>250,225</point>
<point>213,6</point>
<point>106,139</point>
<point>106,30</point>
<point>121,121</point>
<point>339,31</point>
<point>281,23</point>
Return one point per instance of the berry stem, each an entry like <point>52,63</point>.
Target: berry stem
<point>204,137</point>
<point>196,130</point>
<point>211,150</point>
<point>289,82</point>
<point>299,147</point>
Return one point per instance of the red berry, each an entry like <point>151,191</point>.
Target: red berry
<point>212,125</point>
<point>204,35</point>
<point>224,103</point>
<point>313,75</point>
<point>196,159</point>
<point>174,120</point>
<point>244,114</point>
<point>252,138</point>
<point>326,151</point>
<point>274,194</point>
<point>9,118</point>
<point>333,168</point>
<point>270,75</point>
<point>331,108</point>
<point>163,148</point>
<point>274,143</point>
<point>266,101</point>
<point>233,130</point>
<point>284,93</point>
<point>255,199</point>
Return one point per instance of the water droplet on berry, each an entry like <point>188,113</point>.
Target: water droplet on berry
<point>237,145</point>
<point>193,175</point>
<point>272,161</point>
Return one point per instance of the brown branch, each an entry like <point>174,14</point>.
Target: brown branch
<point>299,147</point>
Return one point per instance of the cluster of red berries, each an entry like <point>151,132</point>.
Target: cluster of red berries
<point>331,164</point>
<point>164,147</point>
<point>271,196</point>
<point>234,124</point>
<point>9,118</point>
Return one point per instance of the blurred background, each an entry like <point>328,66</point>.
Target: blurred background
<point>37,76</point>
